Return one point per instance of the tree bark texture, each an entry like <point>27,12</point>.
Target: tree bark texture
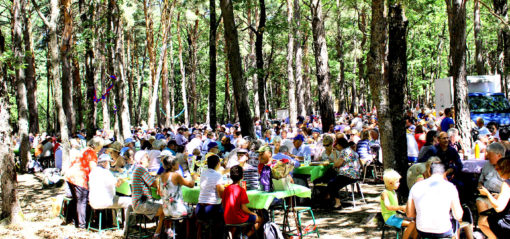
<point>340,57</point>
<point>322,66</point>
<point>10,207</point>
<point>183,73</point>
<point>298,51</point>
<point>236,71</point>
<point>66,55</point>
<point>193,47</point>
<point>456,10</point>
<point>213,26</point>
<point>77,97</point>
<point>397,77</point>
<point>87,17</point>
<point>480,68</point>
<point>293,108</point>
<point>31,81</point>
<point>259,54</point>
<point>503,49</point>
<point>378,79</point>
<point>152,61</point>
<point>21,90</point>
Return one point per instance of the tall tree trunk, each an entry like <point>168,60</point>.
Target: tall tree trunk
<point>480,69</point>
<point>378,79</point>
<point>293,109</point>
<point>213,26</point>
<point>66,54</point>
<point>227,107</point>
<point>298,51</point>
<point>252,60</point>
<point>322,66</point>
<point>306,81</point>
<point>261,81</point>
<point>10,208</point>
<point>193,42</point>
<point>129,75</point>
<point>122,99</point>
<point>397,77</point>
<point>77,97</point>
<point>18,8</point>
<point>183,73</point>
<point>30,71</point>
<point>106,112</point>
<point>152,61</point>
<point>171,115</point>
<point>87,17</point>
<point>165,24</point>
<point>340,56</point>
<point>456,10</point>
<point>236,70</point>
<point>503,49</point>
<point>53,50</point>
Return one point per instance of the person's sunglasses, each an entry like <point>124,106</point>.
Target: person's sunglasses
<point>326,145</point>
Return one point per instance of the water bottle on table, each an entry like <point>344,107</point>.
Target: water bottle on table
<point>308,160</point>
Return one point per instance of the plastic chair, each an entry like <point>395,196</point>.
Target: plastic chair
<point>383,227</point>
<point>65,203</point>
<point>358,187</point>
<point>301,210</point>
<point>139,220</point>
<point>173,220</point>
<point>101,212</point>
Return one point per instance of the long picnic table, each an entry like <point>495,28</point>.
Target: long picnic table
<point>258,199</point>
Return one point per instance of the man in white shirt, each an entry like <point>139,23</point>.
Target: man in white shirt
<point>431,201</point>
<point>102,186</point>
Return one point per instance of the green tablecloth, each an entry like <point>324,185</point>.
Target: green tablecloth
<point>258,199</point>
<point>125,188</point>
<point>315,172</point>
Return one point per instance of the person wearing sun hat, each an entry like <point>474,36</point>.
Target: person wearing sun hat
<point>129,143</point>
<point>118,161</point>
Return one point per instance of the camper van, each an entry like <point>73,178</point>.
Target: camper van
<point>484,97</point>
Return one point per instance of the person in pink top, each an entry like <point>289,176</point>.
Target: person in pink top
<point>77,177</point>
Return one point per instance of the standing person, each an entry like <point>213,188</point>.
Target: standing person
<point>447,122</point>
<point>431,201</point>
<point>499,223</point>
<point>77,178</point>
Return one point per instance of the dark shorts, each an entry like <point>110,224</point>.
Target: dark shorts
<point>251,219</point>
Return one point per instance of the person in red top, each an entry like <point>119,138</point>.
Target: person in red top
<point>419,135</point>
<point>234,202</point>
<point>77,177</point>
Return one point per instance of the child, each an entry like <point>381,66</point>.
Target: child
<point>389,205</point>
<point>235,200</point>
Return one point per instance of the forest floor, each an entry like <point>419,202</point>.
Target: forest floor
<point>36,203</point>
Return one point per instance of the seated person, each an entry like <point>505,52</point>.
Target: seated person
<point>499,223</point>
<point>171,193</point>
<point>143,203</point>
<point>102,186</point>
<point>347,167</point>
<point>490,179</point>
<point>118,162</point>
<point>235,200</point>
<point>264,168</point>
<point>211,191</point>
<point>419,171</point>
<point>250,173</point>
<point>389,205</point>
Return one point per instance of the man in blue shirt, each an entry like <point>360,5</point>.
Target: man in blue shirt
<point>300,151</point>
<point>447,122</point>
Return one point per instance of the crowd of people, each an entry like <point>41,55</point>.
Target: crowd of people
<point>170,158</point>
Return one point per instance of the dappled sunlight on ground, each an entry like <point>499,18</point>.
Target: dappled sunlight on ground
<point>36,203</point>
